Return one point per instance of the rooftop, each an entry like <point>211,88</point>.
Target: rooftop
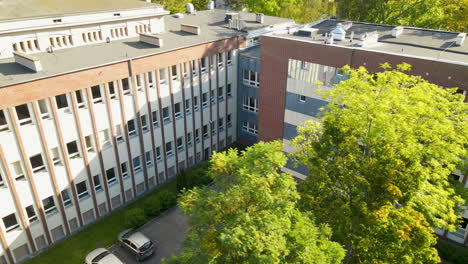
<point>426,43</point>
<point>253,52</point>
<point>20,9</point>
<point>69,60</point>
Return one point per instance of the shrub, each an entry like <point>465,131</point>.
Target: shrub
<point>167,199</point>
<point>135,217</point>
<point>153,206</point>
<point>452,252</point>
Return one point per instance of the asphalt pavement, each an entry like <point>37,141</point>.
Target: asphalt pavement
<point>167,231</point>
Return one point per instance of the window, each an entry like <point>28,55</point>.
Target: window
<point>166,117</point>
<point>49,205</point>
<point>136,164</point>
<point>180,144</point>
<point>97,183</point>
<point>186,69</point>
<point>82,190</point>
<point>3,121</point>
<point>197,135</point>
<point>174,72</point>
<point>37,163</point>
<point>56,156</point>
<point>118,134</point>
<point>144,123</point>
<point>195,103</point>
<point>221,124</point>
<point>110,175</point>
<point>89,143</point>
<point>205,100</point>
<point>158,154</point>
<point>228,120</point>
<point>1,181</point>
<point>150,79</point>
<point>66,198</point>
<point>31,213</point>
<point>105,136</point>
<point>220,94</point>
<point>138,81</point>
<point>220,59</point>
<point>96,93</point>
<point>72,149</point>
<point>301,98</point>
<point>213,128</point>
<point>61,101</point>
<point>79,99</point>
<point>205,131</point>
<point>250,104</point>
<point>213,96</point>
<point>44,109</point>
<point>125,86</point>
<point>111,88</point>
<point>178,113</point>
<point>203,64</point>
<point>162,75</point>
<point>229,91</point>
<point>251,78</point>
<point>124,168</point>
<point>10,222</point>
<point>187,106</point>
<point>149,162</point>
<point>19,175</point>
<point>23,114</point>
<point>131,128</point>
<point>229,57</point>
<point>169,149</point>
<point>155,119</point>
<point>189,139</point>
<point>194,68</point>
<point>249,127</point>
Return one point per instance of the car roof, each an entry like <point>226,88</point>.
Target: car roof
<point>109,259</point>
<point>138,239</point>
<point>91,255</point>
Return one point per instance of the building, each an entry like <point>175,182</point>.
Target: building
<point>103,101</point>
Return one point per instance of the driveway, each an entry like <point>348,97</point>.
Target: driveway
<point>167,231</point>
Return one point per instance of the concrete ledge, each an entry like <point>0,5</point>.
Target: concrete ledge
<point>151,39</point>
<point>28,61</point>
<point>190,29</point>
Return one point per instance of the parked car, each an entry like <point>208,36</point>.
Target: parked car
<point>137,243</point>
<point>102,256</point>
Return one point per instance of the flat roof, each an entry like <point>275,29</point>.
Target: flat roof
<point>68,60</point>
<point>21,9</point>
<point>418,42</point>
<point>253,52</point>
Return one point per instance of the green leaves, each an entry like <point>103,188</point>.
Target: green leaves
<point>249,215</point>
<point>385,138</point>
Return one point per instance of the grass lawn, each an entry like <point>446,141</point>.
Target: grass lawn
<point>102,233</point>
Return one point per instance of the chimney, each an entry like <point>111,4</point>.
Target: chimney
<point>260,18</point>
<point>192,29</point>
<point>460,39</point>
<point>190,8</point>
<point>210,5</point>
<point>396,31</point>
<point>151,39</point>
<point>28,61</point>
<point>368,39</point>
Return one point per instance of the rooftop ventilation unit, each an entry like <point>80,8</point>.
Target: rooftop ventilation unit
<point>397,31</point>
<point>231,16</point>
<point>338,33</point>
<point>260,18</point>
<point>211,5</point>
<point>368,39</point>
<point>192,29</point>
<point>307,32</point>
<point>190,8</point>
<point>28,61</point>
<point>328,38</point>
<point>460,39</point>
<point>151,39</point>
<point>179,15</point>
<point>347,25</point>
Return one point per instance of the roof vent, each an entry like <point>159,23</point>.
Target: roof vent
<point>328,38</point>
<point>210,5</point>
<point>460,39</point>
<point>347,25</point>
<point>396,31</point>
<point>307,32</point>
<point>338,33</point>
<point>231,16</point>
<point>151,39</point>
<point>190,8</point>
<point>260,18</point>
<point>192,29</point>
<point>28,61</point>
<point>179,15</point>
<point>368,39</point>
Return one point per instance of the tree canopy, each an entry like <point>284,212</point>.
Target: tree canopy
<point>249,215</point>
<point>380,162</point>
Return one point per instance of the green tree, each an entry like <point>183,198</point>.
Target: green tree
<point>445,14</point>
<point>174,6</point>
<point>380,162</point>
<point>249,215</point>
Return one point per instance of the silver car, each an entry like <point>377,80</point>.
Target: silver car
<point>137,243</point>
<point>102,256</point>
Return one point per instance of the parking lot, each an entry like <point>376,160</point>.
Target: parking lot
<point>167,231</point>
